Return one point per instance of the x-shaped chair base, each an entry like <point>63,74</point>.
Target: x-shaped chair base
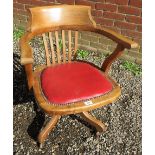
<point>100,127</point>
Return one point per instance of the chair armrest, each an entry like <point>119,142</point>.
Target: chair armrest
<point>26,50</point>
<point>27,58</point>
<point>122,43</point>
<point>120,39</point>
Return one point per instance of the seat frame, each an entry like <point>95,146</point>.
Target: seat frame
<point>41,21</point>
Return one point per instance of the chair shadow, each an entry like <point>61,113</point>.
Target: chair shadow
<point>21,95</point>
<point>92,129</point>
<point>35,127</point>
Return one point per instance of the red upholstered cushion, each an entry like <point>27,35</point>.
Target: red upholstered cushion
<point>73,82</point>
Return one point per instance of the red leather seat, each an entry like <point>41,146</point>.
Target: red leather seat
<point>71,82</point>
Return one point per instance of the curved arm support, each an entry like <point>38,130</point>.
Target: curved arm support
<point>118,38</point>
<point>122,41</point>
<point>27,58</point>
<point>109,60</point>
<point>26,50</point>
<point>29,74</point>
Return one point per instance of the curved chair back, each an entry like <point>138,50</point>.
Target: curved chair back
<point>55,24</point>
<point>49,17</point>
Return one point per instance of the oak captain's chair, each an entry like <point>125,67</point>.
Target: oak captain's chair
<point>65,86</point>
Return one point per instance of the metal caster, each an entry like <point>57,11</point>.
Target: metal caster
<point>40,145</point>
<point>97,135</point>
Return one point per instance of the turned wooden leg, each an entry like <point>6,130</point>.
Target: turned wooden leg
<point>100,127</point>
<point>44,132</point>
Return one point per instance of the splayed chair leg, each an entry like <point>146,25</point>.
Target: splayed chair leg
<point>100,127</point>
<point>45,131</point>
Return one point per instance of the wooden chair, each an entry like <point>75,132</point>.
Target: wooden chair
<point>65,86</point>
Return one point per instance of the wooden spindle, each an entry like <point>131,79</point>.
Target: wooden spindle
<point>64,47</point>
<point>76,42</point>
<point>69,46</point>
<point>52,48</point>
<point>57,46</point>
<point>46,50</point>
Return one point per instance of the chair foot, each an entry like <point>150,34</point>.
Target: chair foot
<point>40,146</point>
<point>98,134</point>
<point>100,127</point>
<point>45,132</point>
